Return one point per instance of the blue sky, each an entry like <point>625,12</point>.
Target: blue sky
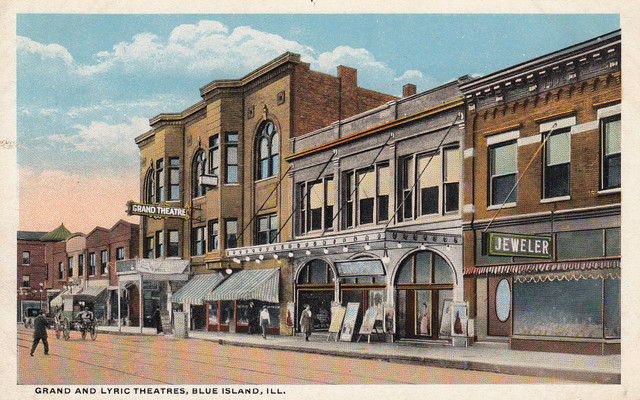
<point>88,84</point>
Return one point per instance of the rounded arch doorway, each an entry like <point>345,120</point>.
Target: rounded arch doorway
<point>424,288</point>
<point>315,286</point>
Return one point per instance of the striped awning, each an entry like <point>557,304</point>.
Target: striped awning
<point>543,267</point>
<point>193,292</point>
<point>57,301</point>
<point>249,284</point>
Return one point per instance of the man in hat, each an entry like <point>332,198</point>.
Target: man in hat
<point>40,333</point>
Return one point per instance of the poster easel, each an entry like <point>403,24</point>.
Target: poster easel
<point>372,319</point>
<point>336,322</point>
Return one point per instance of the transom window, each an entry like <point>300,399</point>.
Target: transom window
<point>557,164</point>
<point>503,171</point>
<point>316,272</point>
<point>267,151</point>
<point>424,267</point>
<point>611,152</point>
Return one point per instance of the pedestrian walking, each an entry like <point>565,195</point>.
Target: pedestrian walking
<point>306,322</point>
<point>157,321</point>
<point>265,320</point>
<point>40,333</point>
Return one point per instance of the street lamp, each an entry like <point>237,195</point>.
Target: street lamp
<point>41,286</point>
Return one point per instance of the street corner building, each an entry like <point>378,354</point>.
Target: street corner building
<point>541,214</point>
<point>222,160</point>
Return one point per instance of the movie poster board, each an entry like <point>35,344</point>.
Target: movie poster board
<point>336,321</point>
<point>349,323</point>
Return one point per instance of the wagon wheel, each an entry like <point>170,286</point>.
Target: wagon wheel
<point>94,332</point>
<point>83,333</point>
<point>66,329</point>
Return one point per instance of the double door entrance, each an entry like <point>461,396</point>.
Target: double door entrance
<point>424,313</point>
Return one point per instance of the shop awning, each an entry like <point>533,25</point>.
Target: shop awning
<point>57,301</point>
<point>198,287</point>
<point>543,267</point>
<point>249,284</point>
<point>94,291</point>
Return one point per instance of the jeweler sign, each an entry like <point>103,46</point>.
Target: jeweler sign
<point>156,211</point>
<point>507,244</point>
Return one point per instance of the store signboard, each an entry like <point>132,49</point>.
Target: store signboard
<point>157,211</point>
<point>369,267</point>
<point>514,245</point>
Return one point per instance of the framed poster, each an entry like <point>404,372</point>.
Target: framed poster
<point>459,319</point>
<point>336,321</point>
<point>349,324</point>
<point>445,323</point>
<point>368,321</point>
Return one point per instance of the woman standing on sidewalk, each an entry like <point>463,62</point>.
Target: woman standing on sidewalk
<point>306,322</point>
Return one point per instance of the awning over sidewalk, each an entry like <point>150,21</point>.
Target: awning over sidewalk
<point>249,284</point>
<point>197,288</point>
<point>543,267</point>
<point>57,301</point>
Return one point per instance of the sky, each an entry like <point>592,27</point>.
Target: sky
<point>87,85</point>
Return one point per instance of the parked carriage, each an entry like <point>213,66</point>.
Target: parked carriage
<point>64,326</point>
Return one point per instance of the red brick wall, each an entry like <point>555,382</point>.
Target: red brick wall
<point>316,98</point>
<point>37,268</point>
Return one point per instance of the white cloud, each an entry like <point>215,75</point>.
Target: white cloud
<point>105,138</point>
<point>409,75</point>
<point>49,51</point>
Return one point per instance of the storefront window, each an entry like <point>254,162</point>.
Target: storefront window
<point>213,313</point>
<point>612,242</point>
<point>579,244</point>
<point>612,308</point>
<point>567,308</point>
<point>227,312</point>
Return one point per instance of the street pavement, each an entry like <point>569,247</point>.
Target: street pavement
<point>482,356</point>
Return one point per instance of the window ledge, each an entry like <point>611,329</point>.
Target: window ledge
<point>554,199</point>
<point>266,179</point>
<point>609,191</point>
<point>498,206</point>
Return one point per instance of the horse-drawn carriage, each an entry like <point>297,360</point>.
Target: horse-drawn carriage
<point>64,326</point>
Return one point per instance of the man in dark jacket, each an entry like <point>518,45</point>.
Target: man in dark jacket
<point>40,333</point>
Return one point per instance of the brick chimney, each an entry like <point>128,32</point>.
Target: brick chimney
<point>408,90</point>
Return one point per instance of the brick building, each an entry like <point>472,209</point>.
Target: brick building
<point>542,200</point>
<point>219,165</point>
<point>31,272</point>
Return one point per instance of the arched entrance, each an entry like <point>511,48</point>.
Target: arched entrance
<point>316,287</point>
<point>424,289</point>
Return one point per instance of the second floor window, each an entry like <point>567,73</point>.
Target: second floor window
<point>92,264</point>
<point>231,231</point>
<point>267,151</point>
<point>316,208</point>
<point>70,267</point>
<point>174,178</point>
<point>198,241</point>
<point>159,244</point>
<point>214,233</point>
<point>214,156</point>
<point>557,164</point>
<point>104,259</point>
<point>232,157</point>
<point>451,179</point>
<point>150,187</point>
<point>148,247</point>
<point>120,254</point>
<point>26,258</point>
<point>26,281</point>
<point>61,270</point>
<point>160,195</point>
<point>173,247</point>
<point>267,229</point>
<point>80,265</point>
<point>503,170</point>
<point>611,152</point>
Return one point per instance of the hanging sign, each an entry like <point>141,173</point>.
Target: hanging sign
<point>157,211</point>
<point>368,267</point>
<point>508,244</point>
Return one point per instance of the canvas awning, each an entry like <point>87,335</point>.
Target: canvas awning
<point>544,267</point>
<point>57,301</point>
<point>197,288</point>
<point>249,284</point>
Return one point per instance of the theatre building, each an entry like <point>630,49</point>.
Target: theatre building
<point>542,200</point>
<point>213,178</point>
<point>377,217</point>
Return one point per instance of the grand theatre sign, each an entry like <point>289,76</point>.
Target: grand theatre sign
<point>157,211</point>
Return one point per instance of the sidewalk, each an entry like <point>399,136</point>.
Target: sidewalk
<point>482,356</point>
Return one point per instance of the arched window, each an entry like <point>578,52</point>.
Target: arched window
<point>199,169</point>
<point>424,267</point>
<point>316,272</point>
<point>267,151</point>
<point>149,195</point>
